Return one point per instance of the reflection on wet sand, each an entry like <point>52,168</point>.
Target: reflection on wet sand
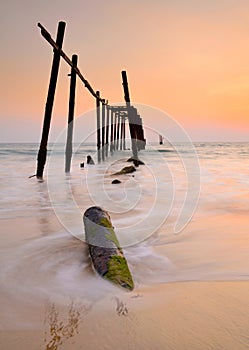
<point>45,211</point>
<point>61,330</point>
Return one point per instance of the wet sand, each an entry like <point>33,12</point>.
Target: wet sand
<point>188,315</point>
<point>208,312</point>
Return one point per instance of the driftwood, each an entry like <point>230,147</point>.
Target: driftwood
<point>106,254</point>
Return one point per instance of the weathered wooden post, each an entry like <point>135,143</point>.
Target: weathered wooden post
<point>115,131</point>
<point>140,131</point>
<point>98,125</point>
<point>42,154</point>
<point>112,130</point>
<point>130,116</point>
<point>124,145</point>
<point>121,131</point>
<point>103,129</point>
<point>69,146</point>
<point>138,127</point>
<point>118,130</point>
<point>107,129</point>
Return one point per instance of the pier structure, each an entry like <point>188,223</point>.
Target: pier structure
<point>110,120</point>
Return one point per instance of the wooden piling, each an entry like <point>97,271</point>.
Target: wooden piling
<point>103,130</point>
<point>69,146</point>
<point>130,116</point>
<point>124,145</point>
<point>141,139</point>
<point>118,131</point>
<point>123,132</point>
<point>139,131</point>
<point>112,130</point>
<point>42,154</point>
<point>136,126</point>
<point>107,130</point>
<point>98,125</point>
<point>115,132</point>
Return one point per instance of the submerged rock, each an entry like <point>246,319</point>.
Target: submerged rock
<point>89,160</point>
<point>135,161</point>
<point>126,170</point>
<point>116,181</point>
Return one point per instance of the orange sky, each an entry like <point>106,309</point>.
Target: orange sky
<point>189,58</point>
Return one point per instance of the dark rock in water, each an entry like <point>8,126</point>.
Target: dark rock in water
<point>135,161</point>
<point>89,160</point>
<point>82,165</point>
<point>130,159</point>
<point>104,248</point>
<point>126,170</point>
<point>116,181</point>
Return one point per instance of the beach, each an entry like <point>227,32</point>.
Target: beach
<point>90,88</point>
<point>188,315</point>
<point>191,287</point>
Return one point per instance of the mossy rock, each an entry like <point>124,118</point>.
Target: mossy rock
<point>119,273</point>
<point>104,248</point>
<point>126,170</point>
<point>135,161</point>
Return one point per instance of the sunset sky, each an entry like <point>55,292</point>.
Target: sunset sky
<point>189,58</point>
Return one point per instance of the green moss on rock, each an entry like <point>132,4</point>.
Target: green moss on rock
<point>119,273</point>
<point>126,170</point>
<point>111,236</point>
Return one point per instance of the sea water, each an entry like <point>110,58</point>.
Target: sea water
<point>175,218</point>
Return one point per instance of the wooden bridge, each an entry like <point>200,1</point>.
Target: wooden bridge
<point>111,120</point>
